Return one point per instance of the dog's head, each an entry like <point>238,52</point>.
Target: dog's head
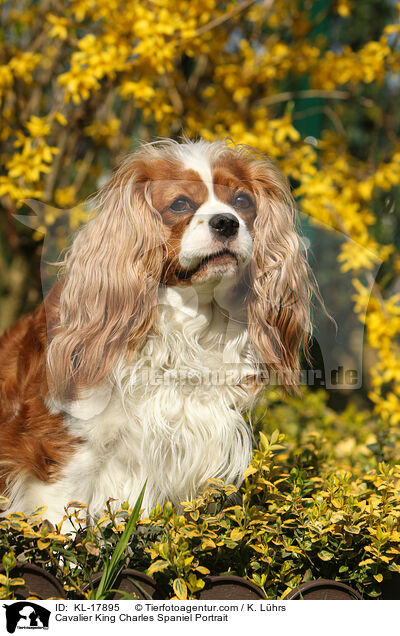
<point>197,213</point>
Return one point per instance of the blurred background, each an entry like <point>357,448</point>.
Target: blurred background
<point>314,85</point>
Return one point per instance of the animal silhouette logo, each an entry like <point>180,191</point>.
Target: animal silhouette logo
<point>26,615</point>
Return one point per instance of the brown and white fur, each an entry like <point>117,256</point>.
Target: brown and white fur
<point>189,281</point>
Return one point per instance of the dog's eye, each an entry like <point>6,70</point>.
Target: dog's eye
<point>181,205</point>
<point>242,201</point>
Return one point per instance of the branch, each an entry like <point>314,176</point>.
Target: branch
<point>84,169</point>
<point>17,283</point>
<point>51,178</point>
<point>375,287</point>
<point>312,94</point>
<point>231,14</point>
<point>336,121</point>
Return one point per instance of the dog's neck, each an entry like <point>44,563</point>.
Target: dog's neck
<point>196,336</point>
<point>203,326</point>
<point>224,296</point>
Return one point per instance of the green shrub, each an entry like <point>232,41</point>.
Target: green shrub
<point>321,498</point>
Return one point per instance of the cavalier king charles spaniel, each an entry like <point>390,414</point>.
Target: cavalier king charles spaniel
<point>181,295</point>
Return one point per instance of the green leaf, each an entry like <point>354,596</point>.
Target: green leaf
<point>157,566</point>
<point>180,589</point>
<point>237,534</point>
<point>76,504</point>
<point>18,525</point>
<point>16,516</point>
<point>111,567</point>
<point>38,511</point>
<point>4,593</point>
<point>164,550</point>
<point>249,471</point>
<point>352,529</point>
<point>92,548</point>
<point>194,583</point>
<point>274,437</point>
<point>17,582</point>
<point>9,561</point>
<point>325,555</point>
<point>264,443</point>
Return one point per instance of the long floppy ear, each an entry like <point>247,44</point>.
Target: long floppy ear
<point>281,282</point>
<point>109,296</point>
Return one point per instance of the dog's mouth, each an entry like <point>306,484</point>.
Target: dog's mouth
<point>217,258</point>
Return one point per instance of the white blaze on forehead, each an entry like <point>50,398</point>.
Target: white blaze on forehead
<point>194,159</point>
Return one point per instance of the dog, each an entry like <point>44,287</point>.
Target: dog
<point>177,300</point>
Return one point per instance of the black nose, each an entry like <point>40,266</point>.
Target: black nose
<point>225,225</point>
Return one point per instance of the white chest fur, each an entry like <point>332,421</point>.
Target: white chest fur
<point>173,416</point>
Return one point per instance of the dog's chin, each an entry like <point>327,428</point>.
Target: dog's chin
<point>214,267</point>
<point>224,266</point>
